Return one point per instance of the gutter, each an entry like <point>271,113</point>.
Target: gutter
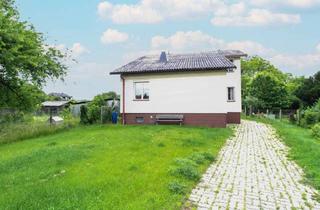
<point>123,100</point>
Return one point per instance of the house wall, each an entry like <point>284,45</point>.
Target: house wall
<point>188,93</point>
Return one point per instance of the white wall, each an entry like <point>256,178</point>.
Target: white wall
<point>190,92</point>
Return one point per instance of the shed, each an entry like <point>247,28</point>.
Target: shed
<point>54,107</point>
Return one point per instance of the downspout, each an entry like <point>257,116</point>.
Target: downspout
<point>123,100</point>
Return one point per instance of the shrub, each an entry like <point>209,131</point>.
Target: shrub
<point>200,158</point>
<point>310,117</point>
<point>185,168</point>
<point>316,130</point>
<point>177,188</point>
<point>84,115</point>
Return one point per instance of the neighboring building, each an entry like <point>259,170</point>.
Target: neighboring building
<point>76,105</point>
<point>203,88</point>
<point>60,96</point>
<point>54,107</point>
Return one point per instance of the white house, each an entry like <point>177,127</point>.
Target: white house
<point>198,89</point>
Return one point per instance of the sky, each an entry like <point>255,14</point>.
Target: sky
<point>104,35</point>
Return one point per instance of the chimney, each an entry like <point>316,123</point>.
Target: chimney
<point>163,57</point>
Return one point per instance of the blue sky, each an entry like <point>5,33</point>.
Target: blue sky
<point>104,35</point>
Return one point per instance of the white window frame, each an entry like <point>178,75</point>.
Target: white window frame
<point>143,91</point>
<point>233,99</point>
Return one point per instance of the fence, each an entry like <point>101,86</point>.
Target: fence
<point>274,113</point>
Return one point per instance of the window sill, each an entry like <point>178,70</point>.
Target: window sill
<point>141,100</point>
<point>231,100</point>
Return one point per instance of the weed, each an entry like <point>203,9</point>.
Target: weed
<point>201,157</point>
<point>185,168</point>
<point>191,143</point>
<point>161,145</point>
<point>176,187</point>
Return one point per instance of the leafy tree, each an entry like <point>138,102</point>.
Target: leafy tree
<point>94,107</point>
<point>252,67</point>
<point>24,58</point>
<point>29,98</point>
<point>309,91</point>
<point>269,90</point>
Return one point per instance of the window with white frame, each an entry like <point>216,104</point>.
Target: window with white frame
<point>141,90</point>
<point>231,94</point>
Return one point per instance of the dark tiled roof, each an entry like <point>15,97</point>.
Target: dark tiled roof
<point>215,60</point>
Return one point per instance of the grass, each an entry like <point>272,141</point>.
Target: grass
<point>107,167</point>
<point>304,148</point>
<point>13,132</point>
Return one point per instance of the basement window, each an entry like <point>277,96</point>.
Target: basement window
<point>139,119</point>
<point>141,90</point>
<point>231,97</point>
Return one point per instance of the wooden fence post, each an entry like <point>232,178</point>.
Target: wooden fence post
<point>280,114</point>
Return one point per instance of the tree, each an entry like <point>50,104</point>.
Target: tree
<point>269,90</point>
<point>309,91</point>
<point>253,66</point>
<point>24,58</point>
<point>94,107</point>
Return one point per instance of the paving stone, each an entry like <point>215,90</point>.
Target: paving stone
<point>252,172</point>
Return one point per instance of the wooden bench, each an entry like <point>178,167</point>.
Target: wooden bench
<point>169,118</point>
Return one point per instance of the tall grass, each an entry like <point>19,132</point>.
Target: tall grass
<point>13,132</point>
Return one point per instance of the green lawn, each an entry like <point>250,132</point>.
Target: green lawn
<point>107,167</point>
<point>304,148</point>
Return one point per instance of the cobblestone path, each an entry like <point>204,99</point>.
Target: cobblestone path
<point>253,172</point>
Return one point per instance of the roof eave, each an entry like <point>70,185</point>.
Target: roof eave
<point>172,71</point>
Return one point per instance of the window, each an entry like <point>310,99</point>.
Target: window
<point>139,120</point>
<point>231,94</point>
<point>141,90</point>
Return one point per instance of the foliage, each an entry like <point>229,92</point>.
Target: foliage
<point>311,115</point>
<point>94,107</point>
<point>29,98</point>
<point>84,119</point>
<point>254,65</point>
<point>270,91</point>
<point>316,130</point>
<point>102,167</point>
<point>24,61</point>
<point>185,168</point>
<point>309,91</point>
<point>176,187</point>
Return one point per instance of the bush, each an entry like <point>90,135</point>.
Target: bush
<point>185,168</point>
<point>310,117</point>
<point>84,115</point>
<point>200,158</point>
<point>176,187</point>
<point>316,130</point>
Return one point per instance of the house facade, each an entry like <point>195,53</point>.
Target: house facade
<point>204,88</point>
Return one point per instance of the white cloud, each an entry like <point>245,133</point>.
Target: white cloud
<point>256,17</point>
<point>287,3</point>
<point>78,49</point>
<point>74,51</point>
<point>223,14</point>
<point>197,41</point>
<point>113,36</point>
<point>123,13</point>
<point>104,8</point>
<point>298,64</point>
<point>186,41</point>
<point>192,41</point>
